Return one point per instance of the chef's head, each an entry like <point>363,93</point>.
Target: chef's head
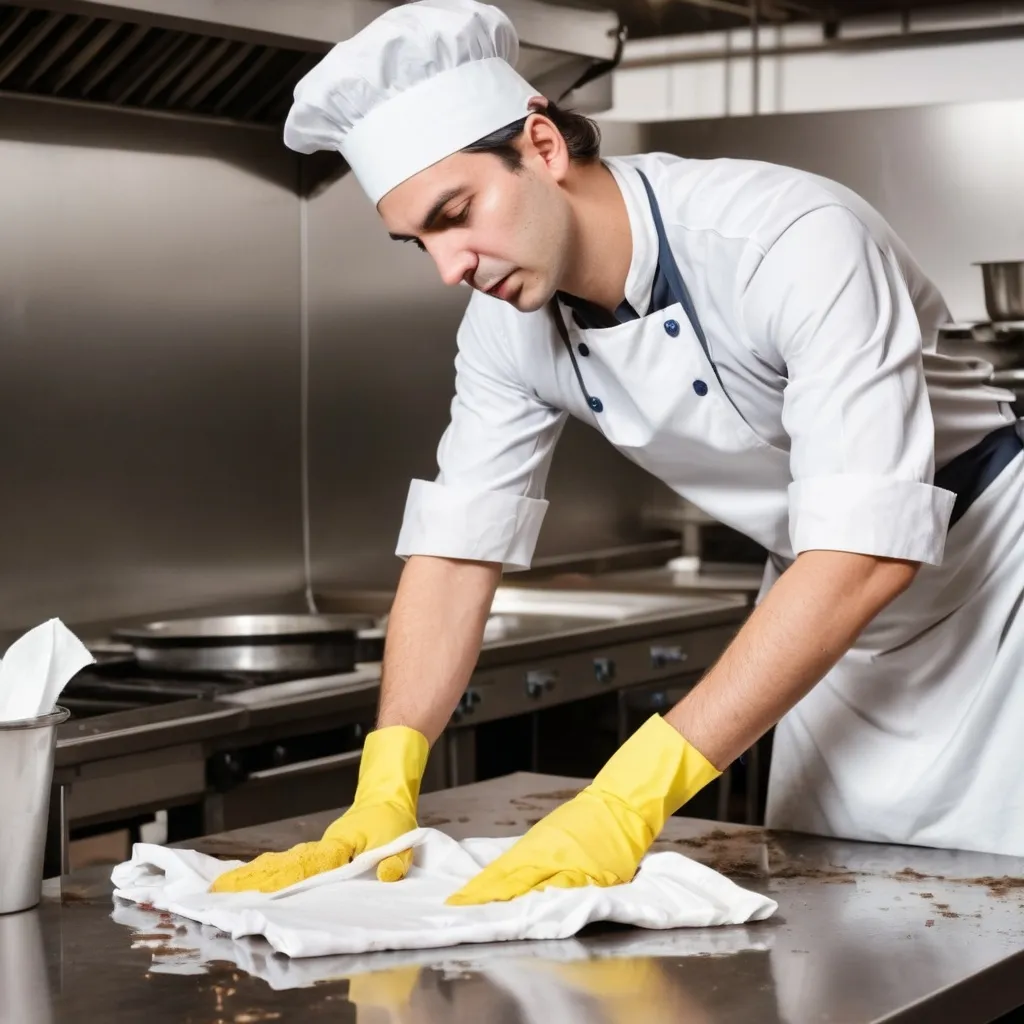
<point>461,155</point>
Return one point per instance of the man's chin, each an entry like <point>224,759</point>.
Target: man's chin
<point>529,300</point>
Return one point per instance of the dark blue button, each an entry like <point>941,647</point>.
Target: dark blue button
<point>700,387</point>
<point>672,328</point>
<point>584,349</point>
<point>595,403</point>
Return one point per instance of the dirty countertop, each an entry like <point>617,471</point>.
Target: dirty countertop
<point>864,933</point>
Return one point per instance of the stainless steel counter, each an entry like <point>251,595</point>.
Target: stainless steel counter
<point>864,933</point>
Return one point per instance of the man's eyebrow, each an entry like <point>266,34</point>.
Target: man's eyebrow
<point>432,214</point>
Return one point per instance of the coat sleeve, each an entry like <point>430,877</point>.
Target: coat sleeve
<point>836,309</point>
<point>487,501</point>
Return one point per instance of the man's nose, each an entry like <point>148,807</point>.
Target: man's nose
<point>455,265</point>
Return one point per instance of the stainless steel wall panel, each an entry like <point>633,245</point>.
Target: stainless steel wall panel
<point>149,394</point>
<point>948,178</point>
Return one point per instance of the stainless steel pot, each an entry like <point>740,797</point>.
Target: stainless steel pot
<point>250,644</point>
<point>1004,289</point>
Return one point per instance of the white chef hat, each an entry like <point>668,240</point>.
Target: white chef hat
<point>419,83</point>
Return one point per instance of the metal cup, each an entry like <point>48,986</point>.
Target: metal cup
<point>26,774</point>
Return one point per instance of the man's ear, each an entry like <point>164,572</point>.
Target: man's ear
<point>542,139</point>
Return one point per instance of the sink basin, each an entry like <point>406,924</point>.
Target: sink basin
<point>604,606</point>
<point>535,611</point>
<point>530,612</point>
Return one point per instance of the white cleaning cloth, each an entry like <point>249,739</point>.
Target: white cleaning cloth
<point>348,911</point>
<point>36,668</point>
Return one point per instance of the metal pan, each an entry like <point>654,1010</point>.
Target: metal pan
<point>250,644</point>
<point>1004,289</point>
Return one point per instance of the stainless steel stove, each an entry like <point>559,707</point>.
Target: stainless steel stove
<point>116,684</point>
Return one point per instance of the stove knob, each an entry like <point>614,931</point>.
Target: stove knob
<point>225,771</point>
<point>604,669</point>
<point>467,702</point>
<point>539,682</point>
<point>662,655</point>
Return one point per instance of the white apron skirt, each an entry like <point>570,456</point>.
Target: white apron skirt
<point>917,735</point>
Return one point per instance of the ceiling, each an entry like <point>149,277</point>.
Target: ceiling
<point>645,18</point>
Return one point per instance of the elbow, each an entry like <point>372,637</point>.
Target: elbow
<point>872,581</point>
<point>892,577</point>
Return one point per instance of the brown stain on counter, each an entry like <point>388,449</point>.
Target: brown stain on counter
<point>756,853</point>
<point>996,886</point>
<point>1002,885</point>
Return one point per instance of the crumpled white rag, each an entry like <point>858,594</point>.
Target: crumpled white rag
<point>348,911</point>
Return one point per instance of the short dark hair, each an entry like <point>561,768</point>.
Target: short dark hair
<point>582,137</point>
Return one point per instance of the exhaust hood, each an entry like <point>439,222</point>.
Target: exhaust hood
<point>238,60</point>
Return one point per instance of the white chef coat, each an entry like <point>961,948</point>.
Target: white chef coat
<point>818,321</point>
<point>815,420</point>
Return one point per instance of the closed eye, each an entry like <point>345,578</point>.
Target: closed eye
<point>459,218</point>
<point>448,221</point>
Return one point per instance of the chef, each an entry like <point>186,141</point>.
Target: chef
<point>759,339</point>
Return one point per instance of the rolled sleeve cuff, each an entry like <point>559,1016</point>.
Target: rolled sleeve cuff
<point>485,526</point>
<point>870,515</point>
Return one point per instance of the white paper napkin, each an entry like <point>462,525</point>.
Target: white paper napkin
<point>37,667</point>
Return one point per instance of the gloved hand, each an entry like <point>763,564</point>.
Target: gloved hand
<point>384,808</point>
<point>600,836</point>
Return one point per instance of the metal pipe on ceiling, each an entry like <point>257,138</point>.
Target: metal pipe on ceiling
<point>937,37</point>
<point>755,57</point>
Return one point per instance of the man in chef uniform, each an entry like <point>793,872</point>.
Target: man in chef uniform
<point>760,340</point>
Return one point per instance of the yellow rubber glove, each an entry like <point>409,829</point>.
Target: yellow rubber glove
<point>601,835</point>
<point>384,808</point>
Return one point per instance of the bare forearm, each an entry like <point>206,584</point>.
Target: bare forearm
<point>434,635</point>
<point>805,624</point>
